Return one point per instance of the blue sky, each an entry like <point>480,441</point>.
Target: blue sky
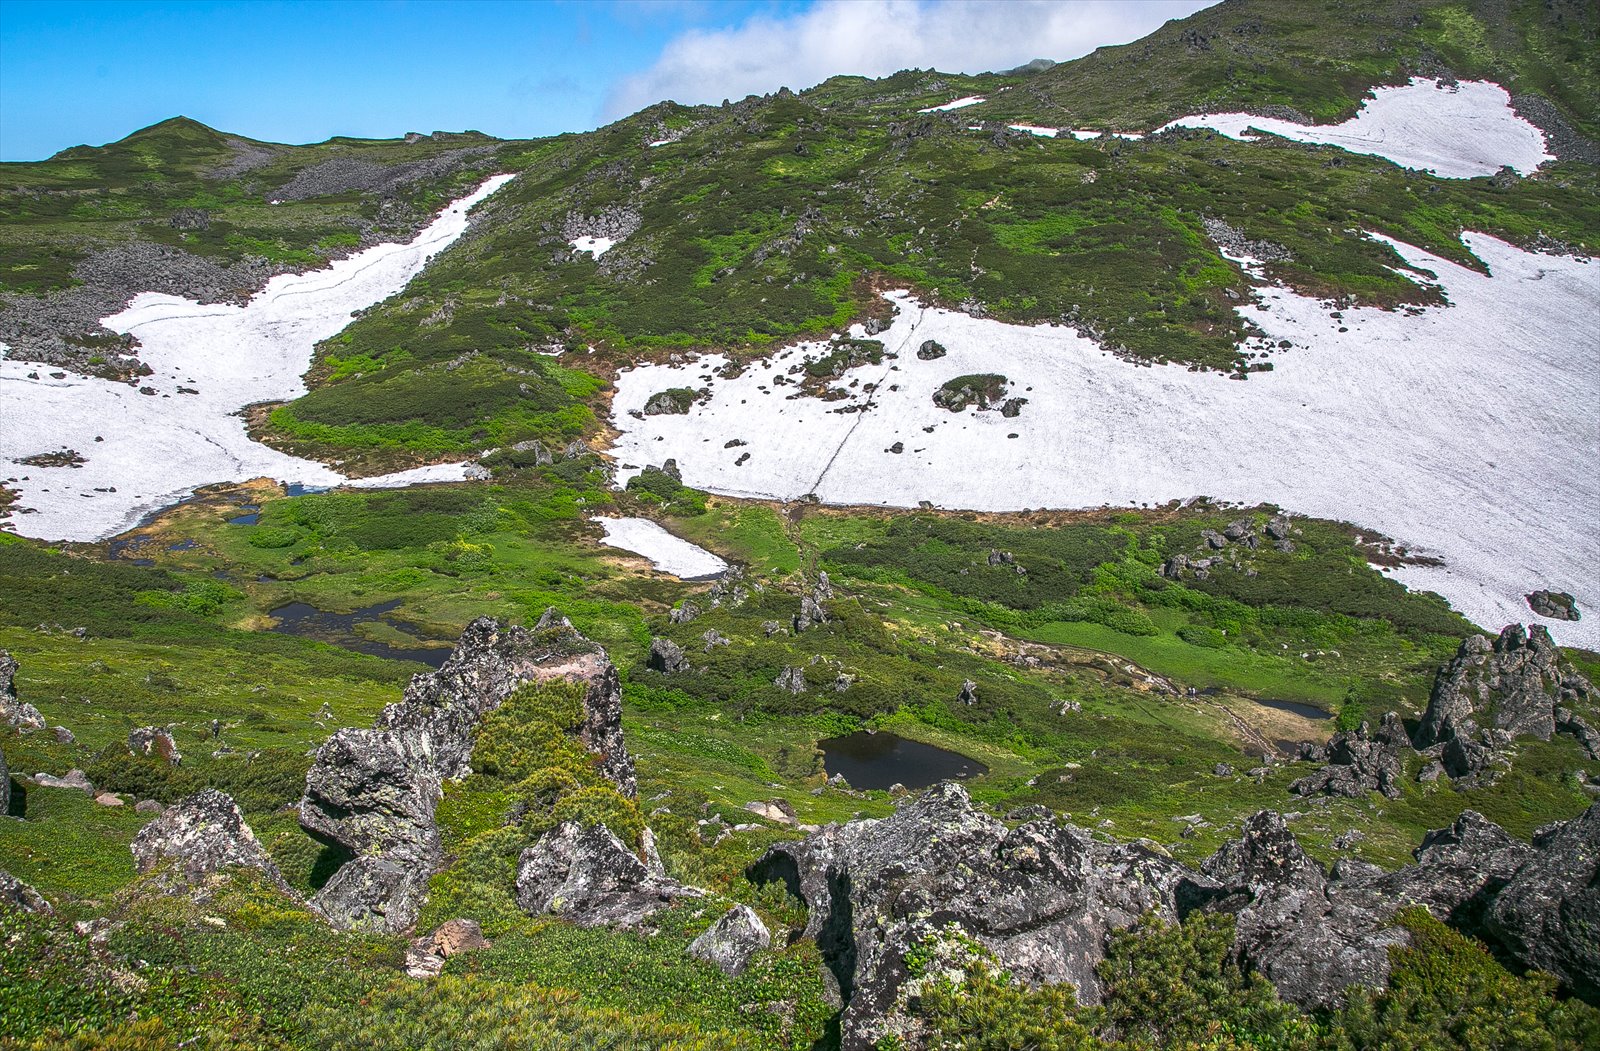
<point>91,71</point>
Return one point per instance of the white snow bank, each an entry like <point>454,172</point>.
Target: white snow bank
<point>147,451</point>
<point>599,246</point>
<point>666,552</point>
<point>1034,129</point>
<point>1465,431</point>
<point>437,472</point>
<point>961,103</point>
<point>1457,132</point>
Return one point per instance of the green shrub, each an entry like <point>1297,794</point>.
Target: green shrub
<point>1199,635</point>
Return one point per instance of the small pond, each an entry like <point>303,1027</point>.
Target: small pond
<point>339,629</point>
<point>1308,711</point>
<point>881,760</point>
<point>251,515</point>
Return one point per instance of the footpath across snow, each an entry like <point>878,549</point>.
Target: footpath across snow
<point>1464,431</point>
<point>144,451</point>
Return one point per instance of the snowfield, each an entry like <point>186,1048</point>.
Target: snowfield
<point>961,103</point>
<point>1458,132</point>
<point>596,246</point>
<point>668,553</point>
<point>1467,431</point>
<point>147,451</point>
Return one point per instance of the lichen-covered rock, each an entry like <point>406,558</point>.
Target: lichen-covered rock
<point>202,834</point>
<point>1491,693</point>
<point>1043,897</point>
<point>74,779</point>
<point>14,712</point>
<point>18,895</point>
<point>1548,913</point>
<point>374,791</point>
<point>733,941</point>
<point>1361,761</point>
<point>590,878</point>
<point>791,679</point>
<point>667,657</point>
<point>154,741</point>
<point>1557,605</point>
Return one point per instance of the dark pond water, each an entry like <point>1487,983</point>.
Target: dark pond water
<point>881,760</point>
<point>307,621</point>
<point>184,545</point>
<point>1310,711</point>
<point>251,514</point>
<point>301,489</point>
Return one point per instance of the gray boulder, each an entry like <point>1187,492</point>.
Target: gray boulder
<point>1548,914</point>
<point>1491,693</point>
<point>18,895</point>
<point>733,941</point>
<point>1557,605</point>
<point>154,741</point>
<point>15,713</point>
<point>590,878</point>
<point>791,679</point>
<point>74,779</point>
<point>200,835</point>
<point>667,657</point>
<point>1043,898</point>
<point>374,791</point>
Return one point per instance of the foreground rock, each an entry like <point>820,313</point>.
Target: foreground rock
<point>154,741</point>
<point>590,878</point>
<point>1044,898</point>
<point>15,713</point>
<point>373,792</point>
<point>425,956</point>
<point>202,834</point>
<point>1491,693</point>
<point>733,941</point>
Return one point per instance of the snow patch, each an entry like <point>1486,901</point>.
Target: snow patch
<point>1034,129</point>
<point>147,451</point>
<point>1496,474</point>
<point>598,246</point>
<point>668,553</point>
<point>961,103</point>
<point>436,472</point>
<point>1458,131</point>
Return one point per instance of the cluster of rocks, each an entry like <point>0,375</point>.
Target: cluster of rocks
<point>373,792</point>
<point>1557,605</point>
<point>342,175</point>
<point>1231,239</point>
<point>15,712</point>
<point>1045,897</point>
<point>1239,535</point>
<point>1483,699</point>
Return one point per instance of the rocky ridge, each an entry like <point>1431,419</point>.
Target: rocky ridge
<point>373,792</point>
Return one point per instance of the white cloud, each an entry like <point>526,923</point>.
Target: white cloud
<point>878,37</point>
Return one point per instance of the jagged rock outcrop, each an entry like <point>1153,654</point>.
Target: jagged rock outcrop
<point>1042,897</point>
<point>154,741</point>
<point>202,834</point>
<point>18,895</point>
<point>374,791</point>
<point>1548,914</point>
<point>666,657</point>
<point>791,679</point>
<point>590,878</point>
<point>733,941</point>
<point>1361,761</point>
<point>15,713</point>
<point>1557,605</point>
<point>1491,693</point>
<point>74,779</point>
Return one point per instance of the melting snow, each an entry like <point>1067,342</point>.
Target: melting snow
<point>597,245</point>
<point>1466,431</point>
<point>147,451</point>
<point>666,552</point>
<point>1034,129</point>
<point>962,103</point>
<point>1457,132</point>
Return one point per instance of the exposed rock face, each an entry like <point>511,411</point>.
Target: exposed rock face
<point>590,878</point>
<point>792,679</point>
<point>374,791</point>
<point>930,350</point>
<point>1042,897</point>
<point>1548,915</point>
<point>15,713</point>
<point>202,834</point>
<point>153,740</point>
<point>74,779</point>
<point>1557,605</point>
<point>1361,761</point>
<point>1491,693</point>
<point>19,895</point>
<point>667,657</point>
<point>425,956</point>
<point>733,941</point>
